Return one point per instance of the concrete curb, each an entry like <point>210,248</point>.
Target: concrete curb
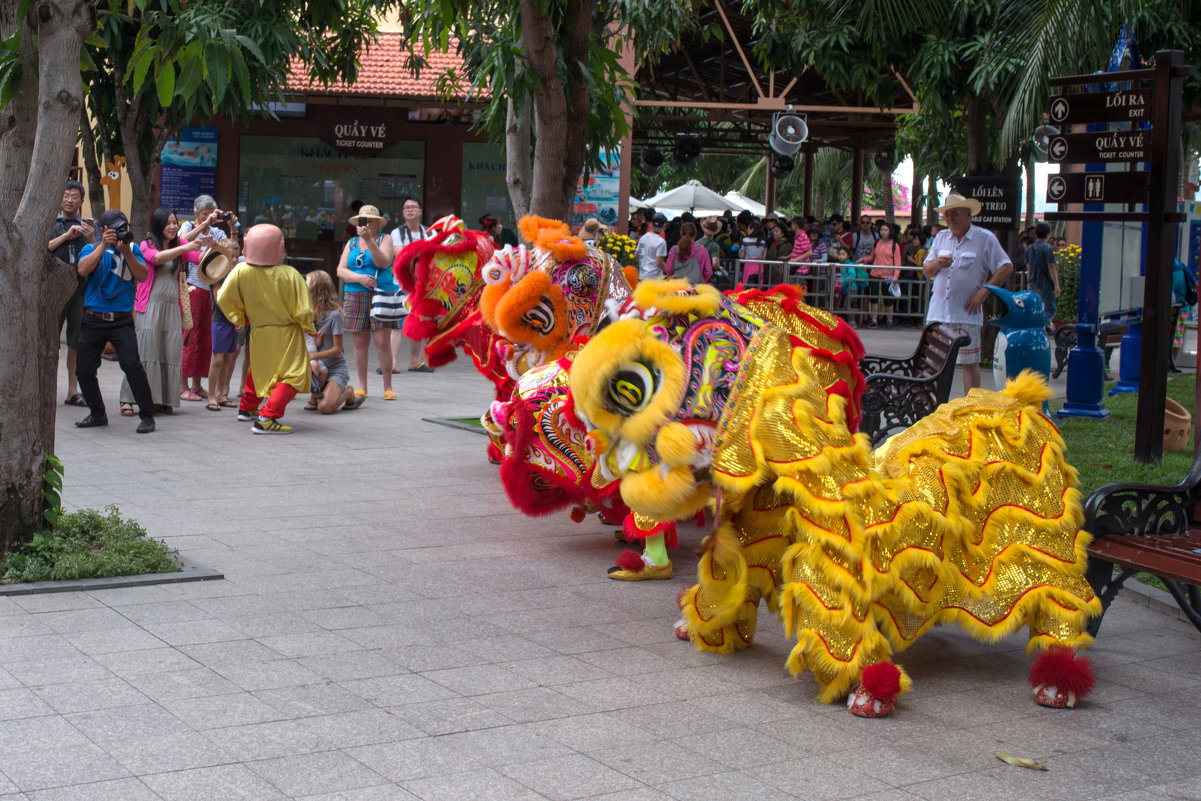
<point>187,572</point>
<point>446,421</point>
<point>1153,598</point>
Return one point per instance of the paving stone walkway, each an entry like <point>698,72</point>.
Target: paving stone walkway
<point>390,628</point>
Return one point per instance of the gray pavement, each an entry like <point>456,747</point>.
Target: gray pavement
<point>390,628</point>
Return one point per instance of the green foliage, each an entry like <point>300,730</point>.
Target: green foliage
<point>487,35</point>
<point>154,66</point>
<point>1067,266</point>
<point>1102,451</point>
<point>87,544</point>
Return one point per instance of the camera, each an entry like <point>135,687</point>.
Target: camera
<point>124,235</point>
<point>224,216</point>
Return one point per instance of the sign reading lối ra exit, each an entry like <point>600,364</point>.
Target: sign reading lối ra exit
<point>1000,200</point>
<point>1127,105</point>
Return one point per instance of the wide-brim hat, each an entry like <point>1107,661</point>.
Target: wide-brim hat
<point>591,227</point>
<point>365,214</point>
<point>958,201</point>
<point>214,266</point>
<point>710,225</point>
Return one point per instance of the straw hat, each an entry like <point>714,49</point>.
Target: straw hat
<point>365,214</point>
<point>591,228</point>
<point>214,266</point>
<point>958,201</point>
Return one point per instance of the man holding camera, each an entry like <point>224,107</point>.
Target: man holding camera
<point>111,270</point>
<point>68,238</point>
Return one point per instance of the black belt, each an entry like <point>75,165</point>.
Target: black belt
<point>108,317</point>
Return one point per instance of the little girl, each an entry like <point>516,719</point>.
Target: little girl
<point>326,351</point>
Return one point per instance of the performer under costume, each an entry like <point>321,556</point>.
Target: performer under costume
<point>273,297</point>
<point>971,516</point>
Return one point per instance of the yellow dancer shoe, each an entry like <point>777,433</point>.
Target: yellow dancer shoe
<point>627,570</point>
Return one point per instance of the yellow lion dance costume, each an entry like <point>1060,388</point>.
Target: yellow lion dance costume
<point>971,516</point>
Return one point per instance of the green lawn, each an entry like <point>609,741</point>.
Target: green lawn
<point>1102,451</point>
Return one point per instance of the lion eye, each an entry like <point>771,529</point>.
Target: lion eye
<point>631,388</point>
<point>581,280</point>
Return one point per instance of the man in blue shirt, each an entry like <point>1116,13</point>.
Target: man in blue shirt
<point>111,271</point>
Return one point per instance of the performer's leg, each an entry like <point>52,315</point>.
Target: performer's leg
<point>281,396</point>
<point>250,399</point>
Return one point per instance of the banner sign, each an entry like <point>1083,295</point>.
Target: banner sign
<point>598,192</point>
<point>189,169</point>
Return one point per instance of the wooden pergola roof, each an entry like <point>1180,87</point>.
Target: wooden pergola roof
<point>717,90</point>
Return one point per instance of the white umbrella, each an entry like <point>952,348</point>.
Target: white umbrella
<point>635,203</point>
<point>744,202</point>
<point>692,195</point>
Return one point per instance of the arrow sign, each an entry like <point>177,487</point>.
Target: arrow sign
<point>1132,105</point>
<point>1098,187</point>
<point>1103,146</point>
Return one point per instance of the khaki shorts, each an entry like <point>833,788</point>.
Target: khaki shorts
<point>969,353</point>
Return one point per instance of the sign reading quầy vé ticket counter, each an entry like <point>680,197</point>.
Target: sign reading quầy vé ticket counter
<point>360,134</point>
<point>1000,200</point>
<point>1100,146</point>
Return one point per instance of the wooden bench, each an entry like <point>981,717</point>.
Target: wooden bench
<point>899,392</point>
<point>1144,528</point>
<point>1110,329</point>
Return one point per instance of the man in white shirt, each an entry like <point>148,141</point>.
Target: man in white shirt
<point>652,250</point>
<point>403,236</point>
<point>962,258</point>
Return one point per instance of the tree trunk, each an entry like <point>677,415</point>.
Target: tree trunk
<point>931,200</point>
<point>91,166</point>
<point>887,201</point>
<point>550,108</point>
<point>1029,191</point>
<point>975,119</point>
<point>517,156</point>
<point>44,110</point>
<point>917,197</point>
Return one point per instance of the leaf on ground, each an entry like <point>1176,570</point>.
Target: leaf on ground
<point>1020,762</point>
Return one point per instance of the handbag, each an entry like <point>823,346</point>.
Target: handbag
<point>185,302</point>
<point>389,307</point>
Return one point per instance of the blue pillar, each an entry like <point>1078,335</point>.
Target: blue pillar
<point>1086,362</point>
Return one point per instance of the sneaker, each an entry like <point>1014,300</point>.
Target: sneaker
<point>265,425</point>
<point>247,417</point>
<point>872,324</point>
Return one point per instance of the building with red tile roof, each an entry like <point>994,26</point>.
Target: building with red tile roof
<point>383,74</point>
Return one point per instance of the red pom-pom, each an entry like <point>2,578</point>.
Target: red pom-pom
<point>882,680</point>
<point>577,514</point>
<point>631,561</point>
<point>1065,669</point>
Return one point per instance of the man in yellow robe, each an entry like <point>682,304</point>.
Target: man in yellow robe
<point>274,299</point>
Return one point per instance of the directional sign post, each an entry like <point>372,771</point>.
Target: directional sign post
<point>1135,97</point>
<point>1098,187</point>
<point>1103,146</point>
<point>1121,106</point>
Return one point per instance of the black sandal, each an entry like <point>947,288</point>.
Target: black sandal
<point>127,410</point>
